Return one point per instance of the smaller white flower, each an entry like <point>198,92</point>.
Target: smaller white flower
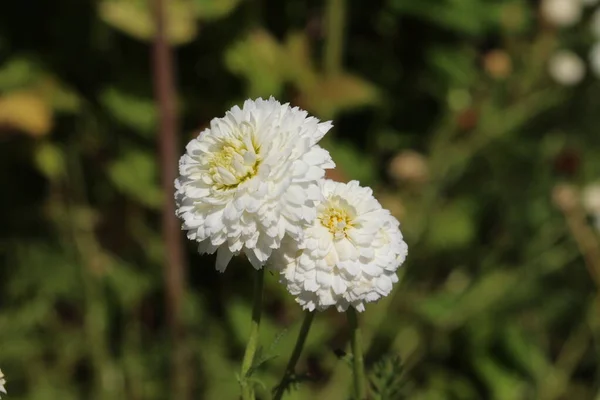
<point>590,199</point>
<point>562,13</point>
<point>2,383</point>
<point>566,68</point>
<point>595,23</point>
<point>349,255</point>
<point>595,58</point>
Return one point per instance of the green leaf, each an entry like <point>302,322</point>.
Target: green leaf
<point>455,67</point>
<point>257,58</point>
<point>61,97</point>
<point>129,284</point>
<point>453,226</point>
<point>136,176</point>
<point>213,9</point>
<point>387,380</point>
<point>470,17</point>
<point>50,160</point>
<point>353,163</point>
<point>453,309</point>
<point>501,382</point>
<point>135,112</point>
<point>135,18</point>
<point>17,72</point>
<point>331,95</point>
<point>26,111</point>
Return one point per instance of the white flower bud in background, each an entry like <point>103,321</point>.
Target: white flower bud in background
<point>562,13</point>
<point>409,166</point>
<point>595,59</point>
<point>497,64</point>
<point>595,24</point>
<point>566,68</point>
<point>2,383</point>
<point>589,2</point>
<point>565,197</point>
<point>590,198</point>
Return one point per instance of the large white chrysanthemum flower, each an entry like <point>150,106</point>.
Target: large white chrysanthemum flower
<point>349,255</point>
<point>251,179</point>
<point>2,383</point>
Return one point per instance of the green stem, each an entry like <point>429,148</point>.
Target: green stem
<point>334,42</point>
<point>291,366</point>
<point>252,345</point>
<point>360,392</point>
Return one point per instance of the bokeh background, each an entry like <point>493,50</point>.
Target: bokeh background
<point>475,121</point>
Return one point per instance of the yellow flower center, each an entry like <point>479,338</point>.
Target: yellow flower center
<point>237,160</point>
<point>337,220</point>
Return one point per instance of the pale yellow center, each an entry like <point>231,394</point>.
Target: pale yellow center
<point>236,162</point>
<point>337,221</point>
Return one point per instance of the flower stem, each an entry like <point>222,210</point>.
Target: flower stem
<point>357,356</point>
<point>252,345</point>
<point>291,366</point>
<point>334,41</point>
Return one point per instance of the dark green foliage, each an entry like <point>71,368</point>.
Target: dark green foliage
<point>495,300</point>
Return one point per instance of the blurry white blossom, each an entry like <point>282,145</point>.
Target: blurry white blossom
<point>562,13</point>
<point>589,2</point>
<point>409,166</point>
<point>595,59</point>
<point>566,68</point>
<point>2,383</point>
<point>595,23</point>
<point>251,179</point>
<point>590,199</point>
<point>349,255</point>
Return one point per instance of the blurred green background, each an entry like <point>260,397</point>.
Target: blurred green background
<point>447,108</point>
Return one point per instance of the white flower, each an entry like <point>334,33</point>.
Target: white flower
<point>349,255</point>
<point>590,199</point>
<point>562,13</point>
<point>2,383</point>
<point>250,179</point>
<point>595,58</point>
<point>595,24</point>
<point>566,68</point>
